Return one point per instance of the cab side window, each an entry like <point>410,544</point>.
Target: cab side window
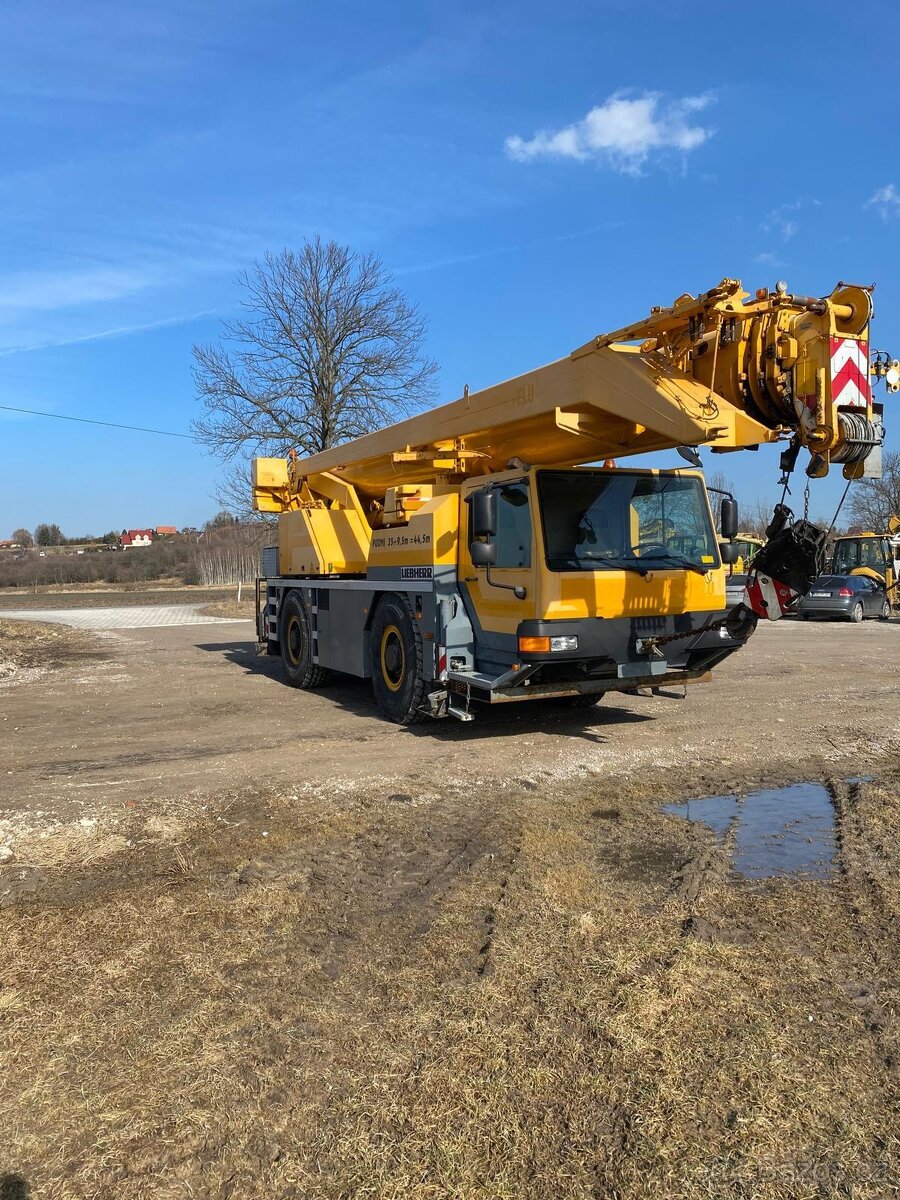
<point>513,526</point>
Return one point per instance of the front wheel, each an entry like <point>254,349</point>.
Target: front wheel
<point>396,662</point>
<point>856,614</point>
<point>885,614</point>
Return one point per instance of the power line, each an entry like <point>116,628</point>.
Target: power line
<point>91,421</point>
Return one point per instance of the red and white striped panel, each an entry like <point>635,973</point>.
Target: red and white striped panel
<point>850,372</point>
<point>767,597</point>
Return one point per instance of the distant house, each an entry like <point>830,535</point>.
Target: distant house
<point>9,544</point>
<point>132,538</point>
<point>166,530</point>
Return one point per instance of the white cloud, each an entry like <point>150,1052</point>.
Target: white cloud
<point>887,200</point>
<point>767,259</point>
<point>49,291</point>
<point>622,132</point>
<point>104,334</point>
<point>783,219</point>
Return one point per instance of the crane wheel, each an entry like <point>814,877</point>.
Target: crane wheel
<point>396,662</point>
<point>295,628</point>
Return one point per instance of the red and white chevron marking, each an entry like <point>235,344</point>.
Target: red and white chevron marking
<point>769,598</point>
<point>850,372</point>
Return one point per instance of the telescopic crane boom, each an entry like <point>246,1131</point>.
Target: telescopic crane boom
<point>722,369</point>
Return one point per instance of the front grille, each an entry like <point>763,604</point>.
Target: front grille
<point>644,627</point>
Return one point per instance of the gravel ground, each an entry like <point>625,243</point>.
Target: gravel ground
<point>110,598</point>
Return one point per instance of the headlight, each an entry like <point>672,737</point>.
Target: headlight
<point>564,643</point>
<point>543,645</point>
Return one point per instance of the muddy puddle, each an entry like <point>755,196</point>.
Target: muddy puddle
<point>778,831</point>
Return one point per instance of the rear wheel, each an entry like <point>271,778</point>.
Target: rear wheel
<point>856,613</point>
<point>396,662</point>
<point>297,646</point>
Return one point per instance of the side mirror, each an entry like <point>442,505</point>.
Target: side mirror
<point>730,552</point>
<point>483,554</point>
<point>483,513</point>
<point>728,518</point>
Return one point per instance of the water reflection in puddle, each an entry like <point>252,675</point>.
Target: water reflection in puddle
<point>779,831</point>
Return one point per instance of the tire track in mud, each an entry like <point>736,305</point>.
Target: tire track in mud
<point>386,887</point>
<point>863,896</point>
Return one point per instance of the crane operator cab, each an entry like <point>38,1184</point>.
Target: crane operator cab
<point>576,579</point>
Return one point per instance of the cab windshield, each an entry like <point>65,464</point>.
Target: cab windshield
<point>851,553</point>
<point>619,520</point>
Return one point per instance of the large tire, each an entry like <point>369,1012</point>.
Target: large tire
<point>295,628</point>
<point>857,614</point>
<point>396,662</point>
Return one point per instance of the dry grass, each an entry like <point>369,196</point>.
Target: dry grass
<point>453,998</point>
<point>30,646</point>
<point>231,608</point>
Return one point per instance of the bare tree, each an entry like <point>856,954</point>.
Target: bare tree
<point>756,517</point>
<point>23,538</point>
<point>328,350</point>
<point>718,480</point>
<point>229,552</point>
<point>872,502</point>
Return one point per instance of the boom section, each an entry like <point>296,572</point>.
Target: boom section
<point>722,369</point>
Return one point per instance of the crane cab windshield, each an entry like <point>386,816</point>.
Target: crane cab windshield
<point>625,520</point>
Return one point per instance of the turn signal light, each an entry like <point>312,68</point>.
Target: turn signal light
<point>534,645</point>
<point>544,645</point>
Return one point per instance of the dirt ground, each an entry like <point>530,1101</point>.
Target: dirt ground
<point>258,942</point>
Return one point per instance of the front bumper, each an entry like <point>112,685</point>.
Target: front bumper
<point>614,654</point>
<point>608,644</point>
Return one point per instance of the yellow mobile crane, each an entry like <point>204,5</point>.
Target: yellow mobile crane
<point>466,555</point>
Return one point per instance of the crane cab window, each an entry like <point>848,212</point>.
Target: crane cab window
<point>608,520</point>
<point>513,526</point>
<point>851,553</point>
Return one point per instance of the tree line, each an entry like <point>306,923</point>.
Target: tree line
<point>228,553</point>
<point>46,535</point>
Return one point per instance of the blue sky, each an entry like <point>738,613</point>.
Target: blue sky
<point>149,152</point>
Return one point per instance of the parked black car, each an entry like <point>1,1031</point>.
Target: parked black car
<point>849,597</point>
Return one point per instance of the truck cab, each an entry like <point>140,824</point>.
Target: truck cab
<point>583,580</point>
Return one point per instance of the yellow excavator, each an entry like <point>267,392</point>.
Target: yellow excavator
<point>747,545</point>
<point>876,555</point>
<point>470,556</point>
